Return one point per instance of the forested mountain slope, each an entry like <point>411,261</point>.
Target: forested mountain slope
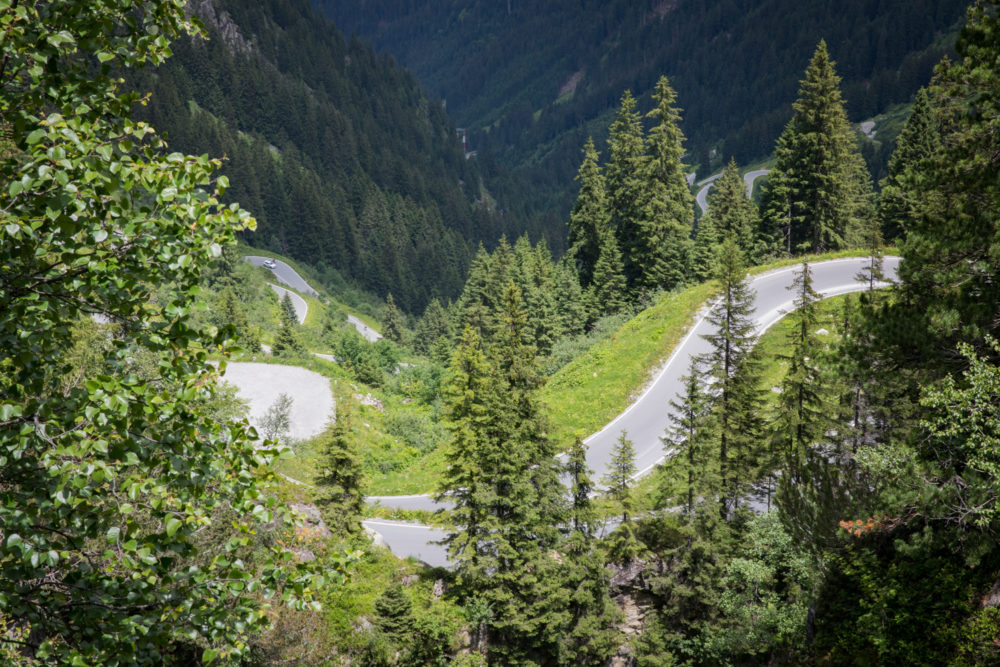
<point>530,80</point>
<point>345,163</point>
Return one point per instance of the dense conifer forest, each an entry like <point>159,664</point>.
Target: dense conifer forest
<point>345,163</point>
<point>530,80</point>
<point>828,489</point>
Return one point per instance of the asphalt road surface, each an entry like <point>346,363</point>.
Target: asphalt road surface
<point>370,334</point>
<point>285,274</point>
<point>646,420</point>
<point>261,384</point>
<point>301,307</point>
<point>702,196</point>
<point>289,276</point>
<point>751,176</point>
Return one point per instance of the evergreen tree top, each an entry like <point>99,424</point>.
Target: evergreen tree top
<point>819,93</point>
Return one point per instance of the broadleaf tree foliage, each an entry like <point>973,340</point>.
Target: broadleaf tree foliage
<point>126,507</point>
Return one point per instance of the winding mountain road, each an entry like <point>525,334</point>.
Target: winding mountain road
<point>748,179</point>
<point>289,276</point>
<point>300,305</point>
<point>648,417</point>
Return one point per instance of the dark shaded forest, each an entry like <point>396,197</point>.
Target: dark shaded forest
<point>343,161</point>
<point>531,80</point>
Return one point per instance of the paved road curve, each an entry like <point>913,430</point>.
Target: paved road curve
<point>370,334</point>
<point>285,274</point>
<point>646,420</point>
<point>289,276</point>
<point>300,305</point>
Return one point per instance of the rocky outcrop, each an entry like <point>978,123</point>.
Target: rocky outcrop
<point>223,22</point>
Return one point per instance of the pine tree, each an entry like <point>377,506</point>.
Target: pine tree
<point>625,186</point>
<point>802,411</point>
<point>819,191</point>
<point>590,634</point>
<point>920,139</point>
<point>287,340</point>
<point>394,615</point>
<point>951,253</point>
<point>704,251</point>
<point>392,320</point>
<point>687,443</point>
<point>571,308</point>
<point>475,304</point>
<point>618,479</point>
<point>732,212</point>
<point>581,510</point>
<point>433,334</point>
<point>608,293</point>
<point>736,374</point>
<point>589,218</point>
<point>873,273</point>
<point>504,479</point>
<point>340,482</point>
<point>471,394</point>
<point>288,308</point>
<point>667,207</point>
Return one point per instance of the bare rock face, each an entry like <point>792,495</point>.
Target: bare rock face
<point>375,537</point>
<point>314,526</point>
<point>223,22</point>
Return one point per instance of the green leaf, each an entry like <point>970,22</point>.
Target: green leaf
<point>9,411</point>
<point>209,655</point>
<point>34,136</point>
<point>172,524</point>
<point>113,533</point>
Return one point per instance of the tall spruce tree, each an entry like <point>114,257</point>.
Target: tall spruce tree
<point>340,497</point>
<point>433,334</point>
<point>732,212</point>
<point>666,209</point>
<point>471,394</point>
<point>392,320</point>
<point>802,413</point>
<point>951,253</point>
<point>590,635</point>
<point>735,373</point>
<point>687,442</point>
<point>819,191</point>
<point>287,341</point>
<point>571,307</point>
<point>505,481</point>
<point>920,139</point>
<point>704,251</point>
<point>618,479</point>
<point>589,217</point>
<point>609,292</point>
<point>625,174</point>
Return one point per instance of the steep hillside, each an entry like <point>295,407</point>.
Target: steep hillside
<point>345,163</point>
<point>530,80</point>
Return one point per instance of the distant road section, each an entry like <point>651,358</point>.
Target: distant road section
<point>261,384</point>
<point>370,334</point>
<point>285,274</point>
<point>751,176</point>
<point>301,307</point>
<point>412,540</point>
<point>289,276</point>
<point>702,196</point>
